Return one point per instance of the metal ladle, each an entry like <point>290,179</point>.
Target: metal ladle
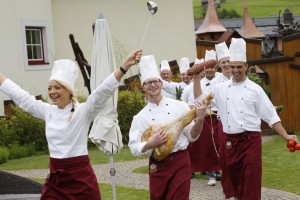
<point>152,7</point>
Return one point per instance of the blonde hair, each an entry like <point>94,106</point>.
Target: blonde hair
<point>72,98</point>
<point>73,101</point>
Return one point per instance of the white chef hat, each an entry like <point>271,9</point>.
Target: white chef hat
<point>210,55</point>
<point>184,65</point>
<point>66,72</point>
<point>148,68</point>
<point>164,65</point>
<point>237,50</point>
<point>222,50</point>
<point>198,61</point>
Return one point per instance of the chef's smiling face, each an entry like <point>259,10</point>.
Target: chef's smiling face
<point>185,78</point>
<point>152,86</point>
<point>238,70</point>
<point>58,94</point>
<point>210,73</point>
<point>165,75</point>
<point>225,66</point>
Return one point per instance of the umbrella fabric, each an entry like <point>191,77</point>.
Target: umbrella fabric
<point>105,132</point>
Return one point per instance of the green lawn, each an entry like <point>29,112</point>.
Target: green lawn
<point>280,168</point>
<point>256,8</point>
<point>122,192</point>
<point>41,161</point>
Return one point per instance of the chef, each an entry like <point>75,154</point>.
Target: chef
<point>242,104</point>
<point>170,177</point>
<point>67,124</point>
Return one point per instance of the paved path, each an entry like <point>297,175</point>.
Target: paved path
<point>124,177</point>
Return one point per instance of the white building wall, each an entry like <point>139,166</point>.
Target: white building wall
<point>13,64</point>
<point>170,35</point>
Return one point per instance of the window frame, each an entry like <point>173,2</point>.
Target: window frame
<point>36,61</point>
<point>44,26</point>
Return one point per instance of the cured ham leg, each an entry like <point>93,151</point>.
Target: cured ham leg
<point>173,130</point>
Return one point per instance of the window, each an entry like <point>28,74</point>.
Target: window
<point>34,43</point>
<point>37,44</point>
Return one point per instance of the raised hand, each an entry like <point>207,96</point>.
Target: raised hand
<point>132,59</point>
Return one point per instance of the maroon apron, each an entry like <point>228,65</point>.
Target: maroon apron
<point>242,158</point>
<point>71,179</point>
<point>170,179</point>
<point>204,151</point>
<point>226,182</point>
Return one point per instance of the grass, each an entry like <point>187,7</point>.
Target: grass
<point>124,193</point>
<point>256,8</point>
<point>280,169</point>
<point>280,166</point>
<point>41,161</point>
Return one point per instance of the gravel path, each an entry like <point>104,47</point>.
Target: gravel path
<point>124,177</point>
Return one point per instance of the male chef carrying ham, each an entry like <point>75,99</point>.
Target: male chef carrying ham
<point>170,177</point>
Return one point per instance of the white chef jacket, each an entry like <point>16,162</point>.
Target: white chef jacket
<point>207,88</point>
<point>205,85</point>
<point>242,106</point>
<point>218,79</point>
<point>153,114</point>
<point>167,94</point>
<point>188,93</point>
<point>65,139</point>
<point>170,87</point>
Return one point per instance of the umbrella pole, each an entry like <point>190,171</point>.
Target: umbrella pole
<point>112,173</point>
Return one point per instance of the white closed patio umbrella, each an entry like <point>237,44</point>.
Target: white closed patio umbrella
<point>105,132</point>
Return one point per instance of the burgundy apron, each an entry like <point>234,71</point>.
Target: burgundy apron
<point>170,179</point>
<point>226,182</point>
<point>203,152</point>
<point>242,159</point>
<point>71,179</point>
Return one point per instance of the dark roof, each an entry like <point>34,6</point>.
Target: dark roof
<point>267,25</point>
<point>227,34</point>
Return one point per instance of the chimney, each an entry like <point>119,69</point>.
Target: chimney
<point>288,17</point>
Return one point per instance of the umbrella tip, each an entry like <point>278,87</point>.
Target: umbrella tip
<point>101,15</point>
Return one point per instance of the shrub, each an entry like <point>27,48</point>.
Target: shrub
<point>223,13</point>
<point>227,14</point>
<point>129,104</point>
<point>4,132</point>
<point>4,153</point>
<point>17,151</point>
<point>23,129</point>
<point>27,130</point>
<point>258,80</point>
